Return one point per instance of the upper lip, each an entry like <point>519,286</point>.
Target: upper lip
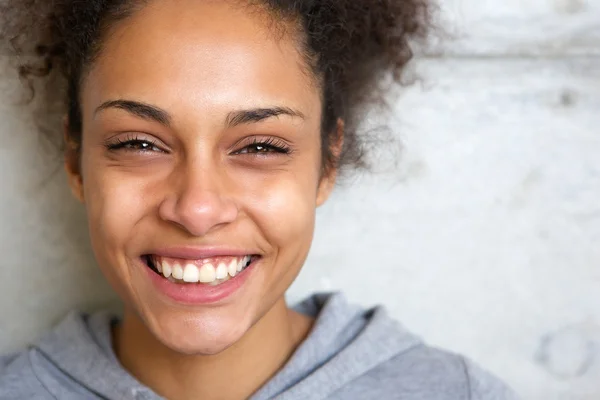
<point>196,253</point>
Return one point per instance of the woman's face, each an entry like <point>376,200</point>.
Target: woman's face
<point>201,146</point>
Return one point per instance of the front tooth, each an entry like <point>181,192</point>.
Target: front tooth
<point>222,271</point>
<point>232,268</point>
<point>166,269</point>
<point>177,271</point>
<point>190,273</point>
<point>207,273</point>
<point>159,266</point>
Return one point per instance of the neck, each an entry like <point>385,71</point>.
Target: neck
<point>235,373</point>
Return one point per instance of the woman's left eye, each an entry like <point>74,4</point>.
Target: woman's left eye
<point>267,146</point>
<point>259,148</point>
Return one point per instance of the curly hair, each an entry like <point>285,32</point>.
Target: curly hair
<point>350,46</point>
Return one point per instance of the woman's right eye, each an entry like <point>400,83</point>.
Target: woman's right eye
<point>135,145</point>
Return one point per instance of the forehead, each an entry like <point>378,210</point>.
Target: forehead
<point>201,54</point>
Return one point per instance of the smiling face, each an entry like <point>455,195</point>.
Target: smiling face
<point>201,146</point>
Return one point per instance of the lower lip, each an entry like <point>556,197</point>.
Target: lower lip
<point>199,293</point>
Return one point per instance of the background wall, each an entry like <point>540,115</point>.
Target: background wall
<point>485,241</point>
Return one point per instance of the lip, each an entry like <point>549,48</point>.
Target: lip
<point>198,293</point>
<point>196,253</point>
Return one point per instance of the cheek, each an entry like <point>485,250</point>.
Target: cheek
<point>286,209</point>
<point>283,209</point>
<point>115,203</point>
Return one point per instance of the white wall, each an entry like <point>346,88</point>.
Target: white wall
<point>485,241</point>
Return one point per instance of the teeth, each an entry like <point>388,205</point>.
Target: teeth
<point>222,271</point>
<point>241,264</point>
<point>190,273</point>
<point>232,268</point>
<point>207,273</point>
<point>177,272</point>
<point>166,269</point>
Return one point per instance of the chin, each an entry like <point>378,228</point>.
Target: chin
<point>199,335</point>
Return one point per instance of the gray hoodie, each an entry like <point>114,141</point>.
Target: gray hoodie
<point>351,353</point>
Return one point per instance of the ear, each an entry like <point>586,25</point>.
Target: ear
<point>72,165</point>
<point>329,174</point>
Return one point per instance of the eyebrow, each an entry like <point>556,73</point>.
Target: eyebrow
<point>142,110</point>
<point>234,118</point>
<point>259,114</point>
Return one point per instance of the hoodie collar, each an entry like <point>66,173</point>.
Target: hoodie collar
<point>81,348</point>
<point>345,343</point>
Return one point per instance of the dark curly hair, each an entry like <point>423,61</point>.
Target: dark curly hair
<point>351,46</point>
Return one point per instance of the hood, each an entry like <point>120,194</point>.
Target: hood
<point>346,342</point>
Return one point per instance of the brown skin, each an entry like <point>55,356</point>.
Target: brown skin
<point>194,188</point>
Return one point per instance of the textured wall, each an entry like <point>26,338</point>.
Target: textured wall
<point>485,241</point>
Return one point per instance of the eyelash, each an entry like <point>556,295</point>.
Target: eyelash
<point>268,145</point>
<point>260,146</point>
<point>133,143</point>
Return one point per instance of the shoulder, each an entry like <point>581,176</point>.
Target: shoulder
<point>424,372</point>
<point>18,379</point>
<point>52,367</point>
<point>439,374</point>
<point>484,385</point>
<point>382,359</point>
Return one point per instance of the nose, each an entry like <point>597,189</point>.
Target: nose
<point>198,200</point>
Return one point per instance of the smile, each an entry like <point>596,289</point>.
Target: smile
<point>210,271</point>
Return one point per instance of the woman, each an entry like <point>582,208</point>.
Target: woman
<point>201,136</point>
